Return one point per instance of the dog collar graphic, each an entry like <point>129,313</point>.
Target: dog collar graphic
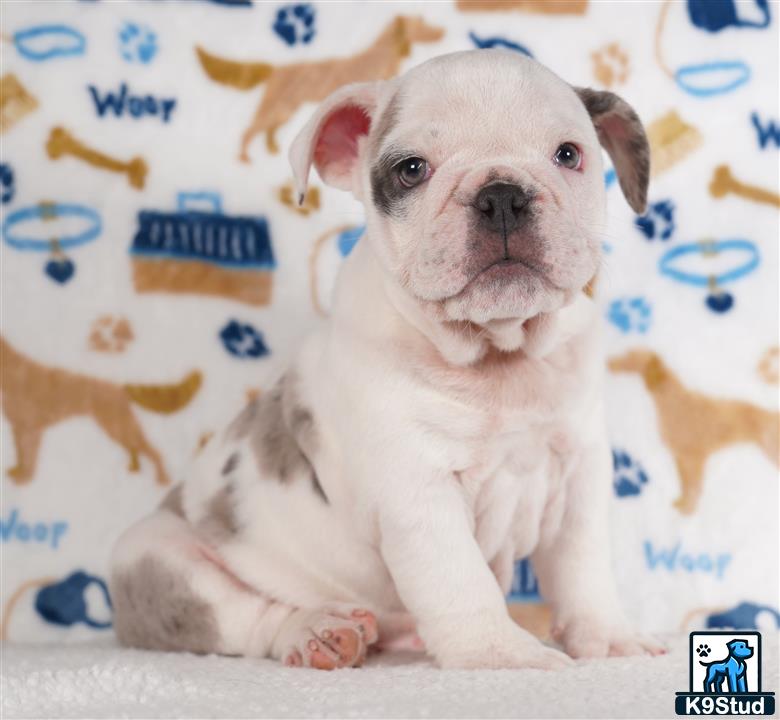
<point>718,300</point>
<point>706,79</point>
<point>44,42</point>
<point>59,268</point>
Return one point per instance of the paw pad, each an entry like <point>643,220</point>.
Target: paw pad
<point>703,650</point>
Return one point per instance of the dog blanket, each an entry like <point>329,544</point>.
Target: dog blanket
<point>156,274</point>
<point>98,680</point>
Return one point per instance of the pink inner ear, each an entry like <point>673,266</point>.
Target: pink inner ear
<point>336,149</point>
<point>614,126</point>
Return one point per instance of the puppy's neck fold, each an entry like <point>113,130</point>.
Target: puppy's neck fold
<point>459,343</point>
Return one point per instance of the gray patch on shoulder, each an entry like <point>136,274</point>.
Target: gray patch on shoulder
<point>219,522</point>
<point>156,609</point>
<point>283,435</point>
<point>173,501</point>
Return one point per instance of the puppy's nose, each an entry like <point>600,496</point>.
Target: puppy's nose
<point>503,206</point>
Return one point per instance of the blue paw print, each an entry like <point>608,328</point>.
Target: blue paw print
<point>631,314</point>
<point>629,475</point>
<point>658,222</point>
<point>243,340</point>
<point>7,187</point>
<point>295,23</point>
<point>137,43</point>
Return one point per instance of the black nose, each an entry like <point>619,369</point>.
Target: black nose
<point>503,207</point>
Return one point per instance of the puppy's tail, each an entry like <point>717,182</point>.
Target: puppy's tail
<point>240,75</point>
<point>165,399</point>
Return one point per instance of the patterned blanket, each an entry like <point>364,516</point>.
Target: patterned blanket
<point>156,273</point>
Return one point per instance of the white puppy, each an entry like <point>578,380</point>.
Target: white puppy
<point>445,421</point>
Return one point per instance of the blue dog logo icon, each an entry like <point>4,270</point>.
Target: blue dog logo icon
<point>731,671</point>
<point>724,675</point>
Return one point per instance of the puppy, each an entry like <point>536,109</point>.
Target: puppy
<point>446,420</point>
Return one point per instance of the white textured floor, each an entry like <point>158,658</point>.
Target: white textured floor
<point>86,681</point>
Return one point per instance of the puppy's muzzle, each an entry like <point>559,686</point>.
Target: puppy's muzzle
<point>503,207</point>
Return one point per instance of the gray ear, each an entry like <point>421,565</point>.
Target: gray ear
<point>621,134</point>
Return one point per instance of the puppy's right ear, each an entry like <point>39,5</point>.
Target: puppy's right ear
<point>331,139</point>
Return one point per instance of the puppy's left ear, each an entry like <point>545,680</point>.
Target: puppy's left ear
<point>331,138</point>
<point>621,134</point>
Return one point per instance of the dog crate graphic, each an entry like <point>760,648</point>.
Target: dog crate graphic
<point>200,250</point>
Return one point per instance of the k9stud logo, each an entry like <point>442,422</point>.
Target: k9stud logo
<point>725,676</point>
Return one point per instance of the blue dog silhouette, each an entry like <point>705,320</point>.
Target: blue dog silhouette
<point>733,669</point>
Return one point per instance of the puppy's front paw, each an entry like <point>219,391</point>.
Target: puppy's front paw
<point>513,649</point>
<point>589,638</point>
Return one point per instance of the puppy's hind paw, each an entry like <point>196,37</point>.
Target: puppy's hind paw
<point>330,638</point>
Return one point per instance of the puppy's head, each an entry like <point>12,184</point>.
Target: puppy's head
<point>482,178</point>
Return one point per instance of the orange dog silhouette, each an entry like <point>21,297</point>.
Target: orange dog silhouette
<point>291,86</point>
<point>35,397</point>
<point>694,426</point>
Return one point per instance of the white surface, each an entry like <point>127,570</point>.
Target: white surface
<point>103,681</point>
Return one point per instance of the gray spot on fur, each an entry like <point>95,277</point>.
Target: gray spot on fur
<point>241,426</point>
<point>173,501</point>
<point>156,609</point>
<point>231,464</point>
<point>621,134</point>
<point>387,193</point>
<point>219,522</point>
<point>281,431</point>
<point>315,484</point>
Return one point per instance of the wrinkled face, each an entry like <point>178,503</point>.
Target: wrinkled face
<point>482,177</point>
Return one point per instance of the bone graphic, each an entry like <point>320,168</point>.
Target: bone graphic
<point>61,142</point>
<point>723,183</point>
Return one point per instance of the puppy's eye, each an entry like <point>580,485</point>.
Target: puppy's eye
<point>568,156</point>
<point>412,171</point>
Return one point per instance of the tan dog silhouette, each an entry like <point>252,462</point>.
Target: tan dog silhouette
<point>291,86</point>
<point>547,7</point>
<point>35,397</point>
<point>694,426</point>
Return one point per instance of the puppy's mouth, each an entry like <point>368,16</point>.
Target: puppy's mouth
<point>507,267</point>
<point>506,271</point>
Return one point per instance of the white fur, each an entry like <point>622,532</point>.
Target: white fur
<point>456,431</point>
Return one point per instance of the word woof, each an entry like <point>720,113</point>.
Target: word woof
<point>13,528</point>
<point>674,558</point>
<point>124,102</point>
